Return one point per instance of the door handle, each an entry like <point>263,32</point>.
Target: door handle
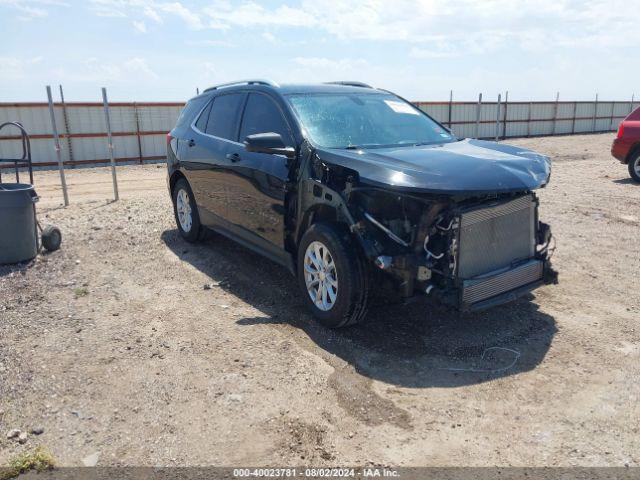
<point>234,157</point>
<point>192,143</point>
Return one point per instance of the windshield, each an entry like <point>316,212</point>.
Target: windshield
<point>365,120</point>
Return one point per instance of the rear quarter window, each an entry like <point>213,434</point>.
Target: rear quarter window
<point>190,110</point>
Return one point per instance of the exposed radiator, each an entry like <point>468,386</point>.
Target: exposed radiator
<point>486,287</point>
<point>496,237</point>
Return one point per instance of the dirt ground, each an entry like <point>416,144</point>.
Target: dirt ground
<point>114,347</point>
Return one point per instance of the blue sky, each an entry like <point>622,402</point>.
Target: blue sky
<point>150,50</point>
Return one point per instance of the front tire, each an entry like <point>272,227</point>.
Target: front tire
<point>186,211</point>
<point>634,166</point>
<point>332,276</point>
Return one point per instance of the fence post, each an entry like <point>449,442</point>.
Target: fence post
<point>66,124</point>
<point>613,108</point>
<point>504,122</point>
<point>555,114</point>
<point>450,106</point>
<point>135,114</point>
<point>573,123</point>
<point>595,112</point>
<point>529,119</point>
<point>56,140</point>
<point>498,117</point>
<point>478,115</point>
<point>110,145</point>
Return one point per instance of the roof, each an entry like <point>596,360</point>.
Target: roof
<point>323,88</point>
<point>333,87</point>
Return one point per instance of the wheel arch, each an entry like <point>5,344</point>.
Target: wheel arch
<point>173,179</point>
<point>634,150</point>
<point>320,212</point>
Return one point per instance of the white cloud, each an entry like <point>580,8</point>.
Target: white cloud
<point>251,14</point>
<point>96,70</point>
<point>152,14</point>
<point>138,66</point>
<point>140,26</point>
<point>14,68</point>
<point>151,9</point>
<point>439,28</point>
<point>269,37</point>
<point>209,43</point>
<point>31,9</point>
<point>327,63</point>
<point>191,19</point>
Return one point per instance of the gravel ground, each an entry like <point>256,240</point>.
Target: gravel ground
<point>114,347</point>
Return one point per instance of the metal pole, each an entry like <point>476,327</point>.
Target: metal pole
<point>450,105</point>
<point>197,91</point>
<point>110,146</point>
<point>529,119</point>
<point>135,113</point>
<point>66,124</point>
<point>632,99</point>
<point>504,123</point>
<point>613,107</point>
<point>555,114</point>
<point>56,140</point>
<point>498,118</point>
<point>478,115</point>
<point>595,112</point>
<point>573,123</point>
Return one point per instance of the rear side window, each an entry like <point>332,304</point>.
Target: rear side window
<point>190,110</point>
<point>201,124</point>
<point>223,116</point>
<point>262,115</point>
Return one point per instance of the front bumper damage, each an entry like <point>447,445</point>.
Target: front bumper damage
<point>474,255</point>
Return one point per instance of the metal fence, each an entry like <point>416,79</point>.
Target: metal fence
<point>499,120</point>
<point>139,129</point>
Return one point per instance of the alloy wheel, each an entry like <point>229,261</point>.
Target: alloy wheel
<point>320,276</point>
<point>183,207</point>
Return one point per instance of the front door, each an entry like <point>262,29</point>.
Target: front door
<point>256,186</point>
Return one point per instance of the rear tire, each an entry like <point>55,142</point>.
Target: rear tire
<point>342,274</point>
<point>185,211</point>
<point>634,166</point>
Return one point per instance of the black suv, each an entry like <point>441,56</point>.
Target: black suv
<point>343,183</point>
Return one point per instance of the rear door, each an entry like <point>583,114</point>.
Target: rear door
<point>213,132</point>
<point>256,187</point>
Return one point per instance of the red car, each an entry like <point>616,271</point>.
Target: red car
<point>626,146</point>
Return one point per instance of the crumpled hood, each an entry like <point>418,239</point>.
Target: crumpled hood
<point>465,167</point>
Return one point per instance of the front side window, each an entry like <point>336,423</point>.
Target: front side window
<point>223,116</point>
<point>262,115</point>
<point>365,120</point>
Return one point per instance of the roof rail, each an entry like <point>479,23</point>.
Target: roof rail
<point>256,81</point>
<point>350,84</point>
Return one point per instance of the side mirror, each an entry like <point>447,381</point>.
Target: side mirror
<point>270,143</point>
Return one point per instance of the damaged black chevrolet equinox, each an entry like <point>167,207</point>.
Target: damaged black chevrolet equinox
<point>343,183</point>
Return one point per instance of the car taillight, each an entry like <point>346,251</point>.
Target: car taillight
<point>169,138</point>
<point>621,130</point>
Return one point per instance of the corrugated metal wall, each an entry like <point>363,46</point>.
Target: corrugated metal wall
<point>523,119</point>
<point>139,129</point>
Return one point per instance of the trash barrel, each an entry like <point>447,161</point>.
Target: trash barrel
<point>18,240</point>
